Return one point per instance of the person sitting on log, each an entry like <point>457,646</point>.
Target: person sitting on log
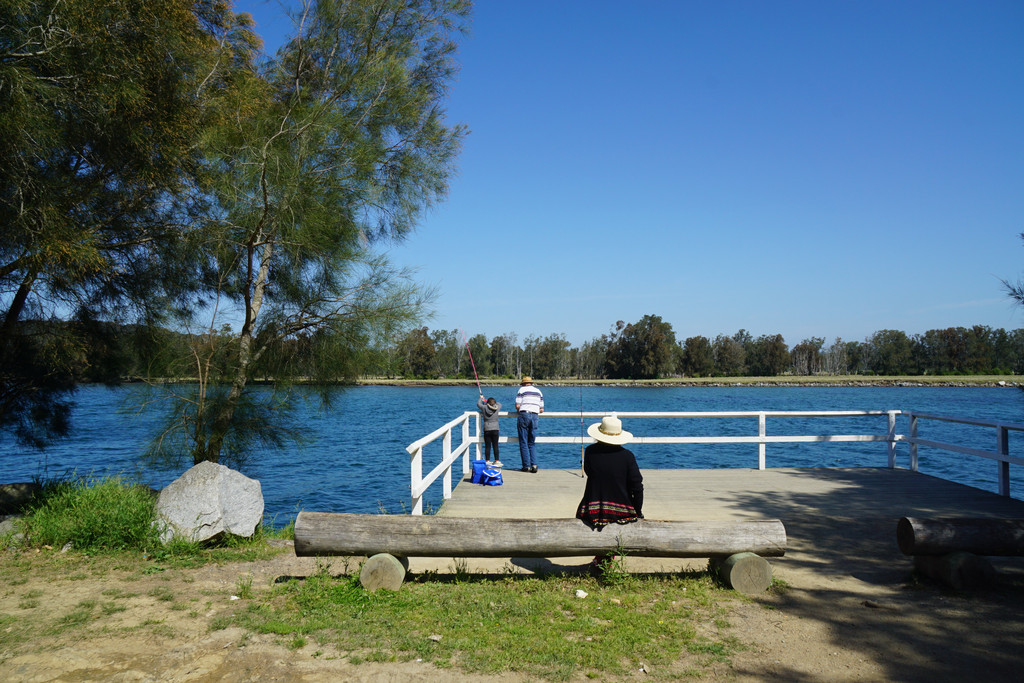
<point>615,488</point>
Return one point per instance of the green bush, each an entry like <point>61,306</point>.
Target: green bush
<point>110,514</point>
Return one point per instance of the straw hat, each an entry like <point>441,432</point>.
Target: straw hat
<point>527,380</point>
<point>609,430</point>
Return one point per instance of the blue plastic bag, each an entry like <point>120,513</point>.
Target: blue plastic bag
<point>478,471</point>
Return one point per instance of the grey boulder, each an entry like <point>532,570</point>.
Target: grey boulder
<point>207,501</point>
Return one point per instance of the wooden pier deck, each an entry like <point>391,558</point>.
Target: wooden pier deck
<point>836,493</point>
<point>839,521</point>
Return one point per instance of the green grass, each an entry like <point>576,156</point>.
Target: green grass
<point>533,625</point>
<point>286,532</point>
<point>103,514</point>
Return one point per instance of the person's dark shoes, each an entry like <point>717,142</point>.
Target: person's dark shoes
<point>533,469</point>
<point>524,469</point>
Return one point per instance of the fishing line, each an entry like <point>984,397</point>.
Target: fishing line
<point>582,473</point>
<point>474,364</point>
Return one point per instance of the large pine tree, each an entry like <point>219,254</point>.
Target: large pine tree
<point>337,141</point>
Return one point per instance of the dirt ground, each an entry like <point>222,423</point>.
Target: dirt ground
<point>851,611</point>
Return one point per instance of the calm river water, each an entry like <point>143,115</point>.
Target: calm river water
<point>355,458</point>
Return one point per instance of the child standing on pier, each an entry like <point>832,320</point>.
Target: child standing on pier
<point>489,409</point>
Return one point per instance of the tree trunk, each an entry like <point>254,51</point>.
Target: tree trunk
<point>17,306</point>
<point>226,412</point>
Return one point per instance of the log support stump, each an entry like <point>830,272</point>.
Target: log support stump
<point>746,573</point>
<point>382,571</point>
<point>953,551</point>
<point>960,570</point>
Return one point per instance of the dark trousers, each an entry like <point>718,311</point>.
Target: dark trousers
<point>526,426</point>
<point>491,439</point>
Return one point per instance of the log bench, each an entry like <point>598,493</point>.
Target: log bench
<point>737,548</point>
<point>953,550</point>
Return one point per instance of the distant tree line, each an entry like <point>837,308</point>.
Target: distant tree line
<point>646,349</point>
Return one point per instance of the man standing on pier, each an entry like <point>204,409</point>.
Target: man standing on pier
<point>529,405</point>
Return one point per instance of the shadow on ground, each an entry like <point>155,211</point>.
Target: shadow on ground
<point>913,629</point>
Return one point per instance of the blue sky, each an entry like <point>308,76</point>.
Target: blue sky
<point>824,169</point>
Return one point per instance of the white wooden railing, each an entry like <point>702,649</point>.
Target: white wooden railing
<point>420,483</point>
<point>449,456</point>
<point>1001,454</point>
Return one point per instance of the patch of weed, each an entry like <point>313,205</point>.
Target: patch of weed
<point>612,570</point>
<point>12,630</point>
<point>109,608</point>
<point>162,593</point>
<point>460,569</point>
<point>243,587</point>
<point>220,623</point>
<point>81,614</point>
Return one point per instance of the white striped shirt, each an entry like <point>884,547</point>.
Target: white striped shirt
<point>529,399</point>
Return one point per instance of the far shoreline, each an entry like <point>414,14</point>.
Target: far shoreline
<point>781,381</point>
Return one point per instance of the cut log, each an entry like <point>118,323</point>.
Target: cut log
<point>746,573</point>
<point>335,533</point>
<point>382,571</point>
<point>980,536</point>
<point>957,570</point>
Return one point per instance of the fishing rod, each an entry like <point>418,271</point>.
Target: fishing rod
<point>466,342</point>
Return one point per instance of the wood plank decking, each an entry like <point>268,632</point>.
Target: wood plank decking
<point>828,493</point>
<point>838,520</point>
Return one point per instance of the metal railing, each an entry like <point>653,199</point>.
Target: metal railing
<point>420,483</point>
